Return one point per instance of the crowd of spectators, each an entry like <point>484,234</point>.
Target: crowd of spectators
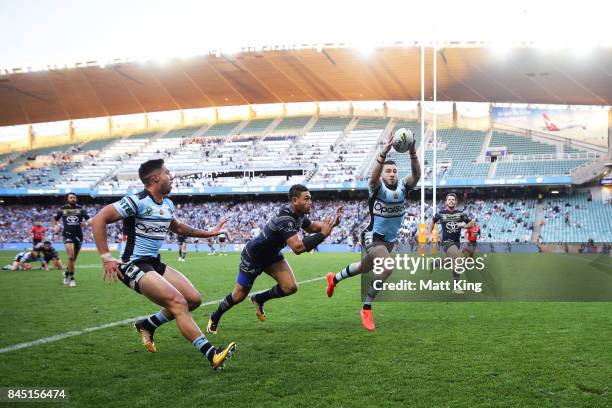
<point>243,216</point>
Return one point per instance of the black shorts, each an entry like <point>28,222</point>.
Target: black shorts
<point>77,240</point>
<point>449,243</point>
<point>221,240</point>
<point>133,271</point>
<point>36,241</point>
<point>250,269</point>
<point>181,240</point>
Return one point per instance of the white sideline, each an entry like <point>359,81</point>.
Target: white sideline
<point>73,333</point>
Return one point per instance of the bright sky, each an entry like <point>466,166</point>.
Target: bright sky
<point>37,33</point>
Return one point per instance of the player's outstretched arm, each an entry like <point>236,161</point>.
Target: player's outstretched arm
<point>412,180</point>
<point>300,245</point>
<point>107,215</point>
<point>183,229</point>
<point>378,166</point>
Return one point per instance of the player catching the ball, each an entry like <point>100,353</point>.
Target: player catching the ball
<point>387,209</point>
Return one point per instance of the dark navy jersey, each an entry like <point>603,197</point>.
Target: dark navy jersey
<point>47,253</point>
<point>448,220</point>
<point>274,235</point>
<point>72,216</point>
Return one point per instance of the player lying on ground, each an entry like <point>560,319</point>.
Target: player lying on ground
<point>451,222</point>
<point>23,260</point>
<point>387,209</point>
<point>147,216</point>
<point>263,253</point>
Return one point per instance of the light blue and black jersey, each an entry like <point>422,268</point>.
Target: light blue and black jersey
<point>387,209</point>
<point>145,224</point>
<point>27,256</point>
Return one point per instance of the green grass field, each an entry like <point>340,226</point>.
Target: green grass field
<point>310,352</point>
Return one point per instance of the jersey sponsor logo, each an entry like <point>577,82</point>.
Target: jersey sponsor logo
<point>72,219</point>
<point>452,226</point>
<point>152,229</point>
<point>387,210</point>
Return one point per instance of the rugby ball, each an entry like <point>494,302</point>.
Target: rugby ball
<point>403,140</point>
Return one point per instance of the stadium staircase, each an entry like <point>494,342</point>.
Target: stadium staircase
<point>362,172</point>
<point>309,125</point>
<point>492,169</point>
<point>134,152</point>
<point>589,171</point>
<point>485,145</point>
<point>323,161</point>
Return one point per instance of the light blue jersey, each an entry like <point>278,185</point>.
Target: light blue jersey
<point>387,211</point>
<point>145,224</point>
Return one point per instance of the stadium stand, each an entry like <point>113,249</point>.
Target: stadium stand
<point>330,151</point>
<point>256,127</point>
<point>520,145</point>
<point>291,126</point>
<point>576,218</point>
<point>537,168</point>
<point>221,129</point>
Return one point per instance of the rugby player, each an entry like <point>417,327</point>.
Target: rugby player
<point>181,240</point>
<point>23,260</point>
<point>147,217</point>
<point>211,246</point>
<point>222,239</point>
<point>74,218</point>
<point>263,254</point>
<point>451,221</point>
<point>386,207</point>
<point>49,253</point>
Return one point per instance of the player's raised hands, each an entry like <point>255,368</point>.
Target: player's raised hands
<point>327,226</point>
<point>387,147</point>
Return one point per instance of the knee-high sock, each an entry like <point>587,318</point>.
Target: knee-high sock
<point>349,271</point>
<point>272,293</point>
<point>225,305</point>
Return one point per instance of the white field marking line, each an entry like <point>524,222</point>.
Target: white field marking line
<point>73,333</point>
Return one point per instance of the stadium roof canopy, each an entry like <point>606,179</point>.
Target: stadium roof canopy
<point>471,74</point>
